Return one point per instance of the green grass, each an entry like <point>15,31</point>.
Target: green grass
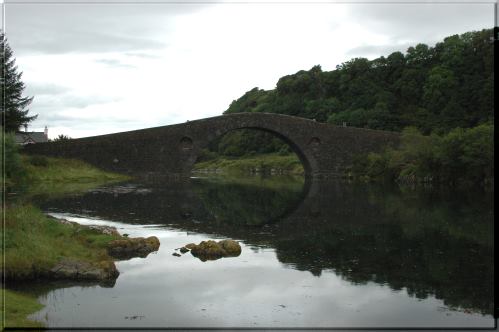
<point>17,307</point>
<point>47,169</point>
<point>55,177</point>
<point>34,243</point>
<point>293,182</point>
<point>288,164</point>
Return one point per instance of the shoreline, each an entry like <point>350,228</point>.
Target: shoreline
<point>107,247</point>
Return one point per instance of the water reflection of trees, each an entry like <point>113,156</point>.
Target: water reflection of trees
<point>429,243</point>
<point>251,203</point>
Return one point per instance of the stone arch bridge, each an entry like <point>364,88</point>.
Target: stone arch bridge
<point>324,149</point>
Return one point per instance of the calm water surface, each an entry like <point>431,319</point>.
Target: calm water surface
<point>328,254</point>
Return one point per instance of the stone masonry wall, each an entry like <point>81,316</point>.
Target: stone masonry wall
<point>325,150</point>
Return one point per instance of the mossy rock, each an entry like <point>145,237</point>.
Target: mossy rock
<point>212,250</point>
<point>133,247</point>
<point>231,247</point>
<point>190,246</point>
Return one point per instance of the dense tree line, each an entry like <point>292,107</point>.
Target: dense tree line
<point>434,89</point>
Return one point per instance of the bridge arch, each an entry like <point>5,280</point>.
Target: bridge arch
<point>306,159</point>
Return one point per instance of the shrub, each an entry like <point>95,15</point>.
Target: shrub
<point>15,172</point>
<point>40,161</point>
<point>461,156</point>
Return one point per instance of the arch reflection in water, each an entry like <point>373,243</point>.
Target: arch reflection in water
<point>430,244</point>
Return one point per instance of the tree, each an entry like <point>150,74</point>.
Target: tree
<point>61,137</point>
<point>13,104</point>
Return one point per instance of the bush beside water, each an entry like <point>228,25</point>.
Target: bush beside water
<point>462,156</point>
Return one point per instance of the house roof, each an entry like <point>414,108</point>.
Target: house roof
<point>31,137</point>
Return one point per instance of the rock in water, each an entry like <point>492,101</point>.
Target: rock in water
<point>212,250</point>
<point>108,230</point>
<point>208,250</point>
<point>69,269</point>
<point>133,247</point>
<point>190,246</point>
<point>231,247</point>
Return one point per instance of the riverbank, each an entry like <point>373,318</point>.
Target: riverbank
<point>36,245</point>
<point>40,247</point>
<point>271,163</point>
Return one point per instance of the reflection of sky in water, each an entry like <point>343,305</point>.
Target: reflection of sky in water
<point>252,290</point>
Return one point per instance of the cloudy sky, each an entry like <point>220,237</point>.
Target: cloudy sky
<point>97,68</point>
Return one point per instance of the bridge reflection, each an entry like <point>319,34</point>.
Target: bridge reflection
<point>418,241</point>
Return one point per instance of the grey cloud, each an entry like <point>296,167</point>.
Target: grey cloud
<point>375,51</point>
<point>81,28</point>
<point>54,103</point>
<point>37,89</point>
<point>114,63</point>
<point>142,55</point>
<point>422,22</point>
<point>81,41</point>
<point>84,101</point>
<point>56,119</point>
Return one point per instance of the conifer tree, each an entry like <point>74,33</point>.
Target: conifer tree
<point>12,103</point>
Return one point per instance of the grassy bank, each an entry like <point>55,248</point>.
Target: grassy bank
<point>60,176</point>
<point>17,307</point>
<point>47,169</point>
<point>271,163</point>
<point>34,243</point>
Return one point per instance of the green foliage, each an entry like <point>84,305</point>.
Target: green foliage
<point>16,307</point>
<point>468,153</point>
<point>460,156</point>
<point>264,163</point>
<point>247,142</point>
<point>35,242</point>
<point>15,172</point>
<point>61,137</point>
<point>434,89</point>
<point>40,161</point>
<point>46,170</point>
<point>11,96</point>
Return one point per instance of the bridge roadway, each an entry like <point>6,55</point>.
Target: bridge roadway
<point>170,151</point>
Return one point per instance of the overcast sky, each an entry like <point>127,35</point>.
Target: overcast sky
<point>98,68</point>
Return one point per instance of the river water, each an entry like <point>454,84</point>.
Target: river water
<point>321,254</point>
